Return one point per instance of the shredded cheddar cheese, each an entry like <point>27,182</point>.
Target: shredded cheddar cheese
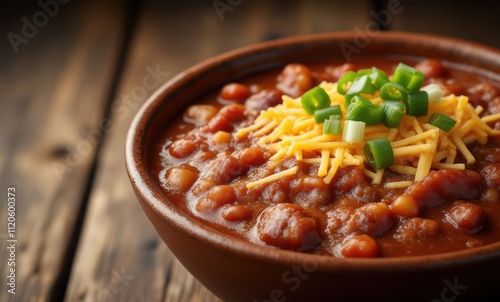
<point>418,147</point>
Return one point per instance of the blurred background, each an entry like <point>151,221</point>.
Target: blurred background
<point>72,76</point>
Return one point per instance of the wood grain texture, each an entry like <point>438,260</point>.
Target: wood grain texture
<point>120,256</point>
<point>54,93</point>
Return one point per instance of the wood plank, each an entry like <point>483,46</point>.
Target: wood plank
<point>121,261</point>
<point>120,257</point>
<point>54,93</point>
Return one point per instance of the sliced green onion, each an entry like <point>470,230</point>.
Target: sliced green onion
<point>348,99</point>
<point>442,121</point>
<point>360,85</point>
<point>354,131</point>
<point>408,76</point>
<point>358,101</point>
<point>434,91</point>
<point>379,153</point>
<point>332,125</point>
<point>346,81</point>
<point>321,115</point>
<point>378,77</point>
<point>417,103</point>
<point>365,71</point>
<point>314,99</point>
<point>393,92</point>
<point>362,110</point>
<point>393,113</point>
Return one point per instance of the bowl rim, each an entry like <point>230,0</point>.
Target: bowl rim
<point>144,187</point>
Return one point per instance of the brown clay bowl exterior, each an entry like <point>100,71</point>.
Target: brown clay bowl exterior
<point>236,270</point>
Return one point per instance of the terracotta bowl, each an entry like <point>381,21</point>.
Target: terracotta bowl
<point>236,270</point>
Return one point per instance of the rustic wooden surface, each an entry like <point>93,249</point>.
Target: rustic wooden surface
<point>54,91</point>
<point>68,97</point>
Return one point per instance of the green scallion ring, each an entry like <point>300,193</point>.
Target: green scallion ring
<point>417,103</point>
<point>366,71</point>
<point>408,77</point>
<point>393,113</point>
<point>314,99</point>
<point>393,92</point>
<point>378,78</point>
<point>379,154</point>
<point>362,110</point>
<point>320,115</point>
<point>346,81</point>
<point>442,121</point>
<point>332,125</point>
<point>360,85</point>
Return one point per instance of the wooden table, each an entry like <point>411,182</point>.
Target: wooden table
<point>72,76</point>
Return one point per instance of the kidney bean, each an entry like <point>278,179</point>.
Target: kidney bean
<point>224,170</point>
<point>359,246</point>
<point>493,107</point>
<point>289,162</point>
<point>237,212</point>
<point>275,193</point>
<point>336,72</point>
<point>416,228</point>
<point>235,92</point>
<point>346,179</point>
<point>483,91</point>
<point>351,182</point>
<point>180,179</point>
<point>309,191</point>
<point>442,185</point>
<point>431,68</point>
<point>342,211</point>
<point>264,99</point>
<point>216,198</point>
<point>202,159</point>
<point>372,219</point>
<point>295,79</point>
<point>485,155</point>
<point>203,185</point>
<point>224,119</point>
<point>404,206</point>
<point>251,156</point>
<point>491,173</point>
<point>183,147</point>
<point>288,227</point>
<point>364,192</point>
<point>222,138</point>
<point>227,167</point>
<point>491,195</point>
<point>466,216</point>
